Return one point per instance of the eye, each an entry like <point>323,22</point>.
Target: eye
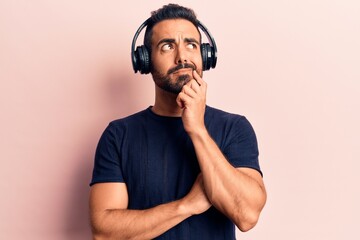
<point>166,47</point>
<point>192,46</point>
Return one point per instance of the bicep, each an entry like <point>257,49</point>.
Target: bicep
<point>253,174</point>
<point>106,196</point>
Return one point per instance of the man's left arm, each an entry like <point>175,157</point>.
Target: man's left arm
<point>239,193</point>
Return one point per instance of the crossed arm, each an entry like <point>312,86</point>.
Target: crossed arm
<point>239,193</point>
<point>110,218</point>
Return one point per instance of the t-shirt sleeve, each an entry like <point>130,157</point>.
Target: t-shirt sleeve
<point>107,167</point>
<point>242,150</point>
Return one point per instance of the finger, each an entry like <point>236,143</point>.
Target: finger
<point>179,102</point>
<point>189,90</point>
<point>197,78</point>
<point>183,99</point>
<point>194,85</point>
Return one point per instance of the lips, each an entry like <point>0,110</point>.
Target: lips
<point>179,67</point>
<point>183,70</point>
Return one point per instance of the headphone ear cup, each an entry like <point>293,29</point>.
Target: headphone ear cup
<point>207,56</point>
<point>142,60</point>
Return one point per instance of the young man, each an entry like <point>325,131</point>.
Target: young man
<point>179,169</point>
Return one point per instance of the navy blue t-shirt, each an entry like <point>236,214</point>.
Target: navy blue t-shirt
<point>155,158</point>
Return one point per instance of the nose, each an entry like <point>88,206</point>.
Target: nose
<point>181,56</point>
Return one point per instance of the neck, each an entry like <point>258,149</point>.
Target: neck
<point>165,104</point>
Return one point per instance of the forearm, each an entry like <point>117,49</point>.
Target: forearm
<point>231,191</point>
<point>138,224</point>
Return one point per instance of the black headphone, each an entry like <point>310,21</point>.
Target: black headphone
<point>141,56</point>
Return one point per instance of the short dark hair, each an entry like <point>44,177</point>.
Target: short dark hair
<point>170,11</point>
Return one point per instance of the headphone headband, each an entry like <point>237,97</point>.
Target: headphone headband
<point>141,56</point>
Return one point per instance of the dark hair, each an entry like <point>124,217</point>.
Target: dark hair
<point>170,11</point>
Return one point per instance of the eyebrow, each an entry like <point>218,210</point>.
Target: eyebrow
<point>166,40</point>
<point>192,40</point>
<point>172,40</point>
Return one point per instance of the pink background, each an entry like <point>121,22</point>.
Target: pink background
<point>291,67</point>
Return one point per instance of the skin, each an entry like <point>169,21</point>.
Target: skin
<point>239,193</point>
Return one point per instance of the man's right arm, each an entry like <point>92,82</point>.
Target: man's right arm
<point>110,218</point>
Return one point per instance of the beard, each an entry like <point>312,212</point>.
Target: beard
<point>165,82</point>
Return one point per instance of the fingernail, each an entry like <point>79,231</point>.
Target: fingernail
<point>198,83</point>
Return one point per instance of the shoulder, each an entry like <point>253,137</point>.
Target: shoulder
<point>225,125</point>
<point>128,120</point>
<point>214,115</point>
<point>117,129</point>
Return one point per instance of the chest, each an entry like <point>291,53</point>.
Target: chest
<point>158,166</point>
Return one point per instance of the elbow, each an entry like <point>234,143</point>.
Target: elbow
<point>244,219</point>
<point>97,237</point>
<point>103,237</point>
<point>97,234</point>
<point>250,217</point>
<point>248,222</point>
<point>97,227</point>
<point>246,226</point>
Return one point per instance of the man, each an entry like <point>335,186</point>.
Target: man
<point>179,169</point>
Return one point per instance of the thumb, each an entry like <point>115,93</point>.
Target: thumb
<point>179,101</point>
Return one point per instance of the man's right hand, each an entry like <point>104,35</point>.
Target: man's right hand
<point>196,200</point>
